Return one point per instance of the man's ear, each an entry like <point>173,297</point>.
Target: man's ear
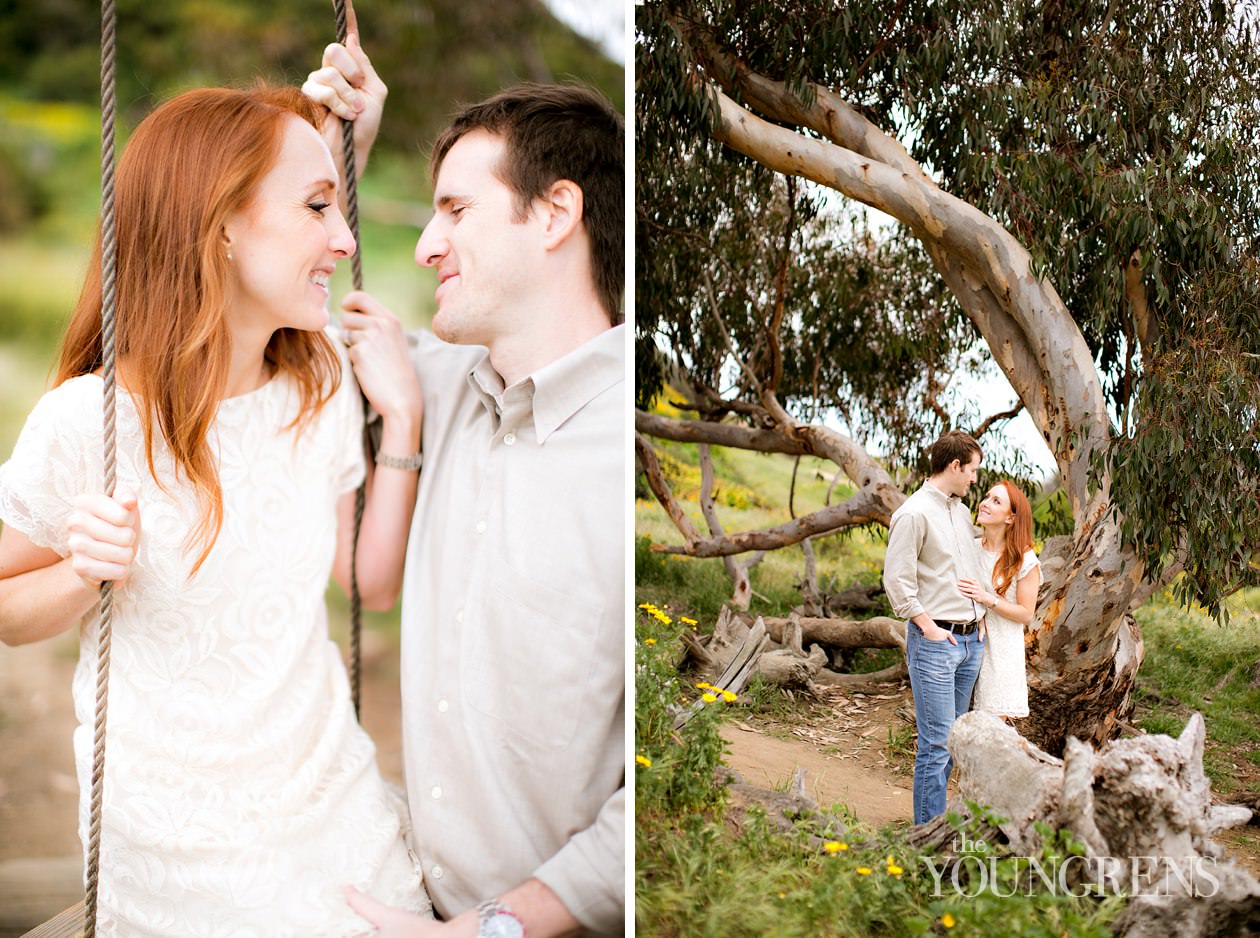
<point>562,207</point>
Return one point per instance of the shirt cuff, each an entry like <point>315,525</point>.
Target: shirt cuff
<point>588,874</point>
<point>908,611</point>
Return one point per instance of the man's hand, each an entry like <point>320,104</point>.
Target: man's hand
<point>395,923</point>
<point>933,632</point>
<point>347,84</point>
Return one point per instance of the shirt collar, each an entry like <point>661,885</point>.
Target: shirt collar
<point>947,500</point>
<point>559,389</point>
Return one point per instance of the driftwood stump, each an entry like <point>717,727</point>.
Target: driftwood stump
<point>1142,807</point>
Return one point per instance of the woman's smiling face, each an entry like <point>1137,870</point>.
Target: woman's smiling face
<point>995,507</point>
<point>286,241</point>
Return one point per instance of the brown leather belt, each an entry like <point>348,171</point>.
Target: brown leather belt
<point>958,628</point>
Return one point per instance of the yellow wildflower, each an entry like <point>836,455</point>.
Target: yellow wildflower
<point>948,920</point>
<point>894,869</point>
<point>729,696</point>
<point>643,761</point>
<point>863,871</point>
<point>835,846</point>
<point>705,685</point>
<point>708,697</point>
<point>649,641</point>
<point>688,621</point>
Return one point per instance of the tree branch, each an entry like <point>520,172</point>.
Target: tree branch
<point>722,434</point>
<point>660,488</point>
<point>865,507</point>
<point>988,422</point>
<point>1135,292</point>
<point>740,582</point>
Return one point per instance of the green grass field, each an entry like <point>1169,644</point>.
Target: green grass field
<point>699,872</point>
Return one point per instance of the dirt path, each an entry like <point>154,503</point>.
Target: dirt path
<point>841,745</point>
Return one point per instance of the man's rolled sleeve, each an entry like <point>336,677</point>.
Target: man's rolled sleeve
<point>901,581</point>
<point>588,874</point>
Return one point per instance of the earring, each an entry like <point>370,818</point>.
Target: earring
<point>229,255</point>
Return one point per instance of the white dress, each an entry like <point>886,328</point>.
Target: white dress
<point>241,794</point>
<point>1002,687</point>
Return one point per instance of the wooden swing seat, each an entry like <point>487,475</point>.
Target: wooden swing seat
<point>69,924</point>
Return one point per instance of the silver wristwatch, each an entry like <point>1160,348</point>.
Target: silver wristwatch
<point>496,920</point>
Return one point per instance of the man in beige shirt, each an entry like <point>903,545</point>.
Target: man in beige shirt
<point>513,677</point>
<point>931,546</point>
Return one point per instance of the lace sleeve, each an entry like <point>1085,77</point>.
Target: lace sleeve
<point>57,456</point>
<point>1026,567</point>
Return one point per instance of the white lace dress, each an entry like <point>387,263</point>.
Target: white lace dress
<point>1002,687</point>
<point>240,794</point>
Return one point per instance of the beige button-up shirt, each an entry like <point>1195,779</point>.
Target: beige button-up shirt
<point>513,649</point>
<point>931,546</point>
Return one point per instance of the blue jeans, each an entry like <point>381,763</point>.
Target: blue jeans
<point>942,676</point>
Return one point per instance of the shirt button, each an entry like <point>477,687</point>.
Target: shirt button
<point>437,791</point>
<point>437,872</point>
<point>509,439</point>
<point>481,527</point>
<point>443,706</point>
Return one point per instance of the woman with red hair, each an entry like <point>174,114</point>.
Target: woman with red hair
<point>1010,595</point>
<point>241,794</point>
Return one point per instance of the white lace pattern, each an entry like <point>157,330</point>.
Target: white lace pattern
<point>241,794</point>
<point>1002,687</point>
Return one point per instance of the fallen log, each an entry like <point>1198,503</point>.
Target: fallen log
<point>877,632</point>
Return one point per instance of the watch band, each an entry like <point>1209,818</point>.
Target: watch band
<point>496,920</point>
<point>411,463</point>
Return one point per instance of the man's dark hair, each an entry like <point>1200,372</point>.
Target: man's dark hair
<point>954,444</point>
<point>560,132</point>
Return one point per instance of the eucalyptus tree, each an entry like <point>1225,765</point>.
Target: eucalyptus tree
<point>1080,182</point>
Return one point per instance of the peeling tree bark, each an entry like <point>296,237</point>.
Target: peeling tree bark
<point>1143,809</point>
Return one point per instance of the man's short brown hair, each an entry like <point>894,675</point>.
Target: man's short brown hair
<point>953,444</point>
<point>557,132</point>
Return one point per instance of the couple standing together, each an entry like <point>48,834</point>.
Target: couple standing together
<point>966,599</point>
<point>241,797</point>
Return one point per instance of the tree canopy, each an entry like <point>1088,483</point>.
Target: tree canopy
<point>431,54</point>
<point>1118,144</point>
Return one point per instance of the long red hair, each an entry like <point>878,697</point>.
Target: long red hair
<point>194,161</point>
<point>1019,539</point>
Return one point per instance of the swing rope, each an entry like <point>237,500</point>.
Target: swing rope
<point>109,375</point>
<point>344,12</point>
<point>108,303</point>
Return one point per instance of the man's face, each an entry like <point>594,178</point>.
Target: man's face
<point>962,477</point>
<point>487,260</point>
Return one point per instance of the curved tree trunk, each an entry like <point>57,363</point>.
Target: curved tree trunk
<point>1084,649</point>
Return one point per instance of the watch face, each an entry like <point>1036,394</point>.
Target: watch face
<point>501,925</point>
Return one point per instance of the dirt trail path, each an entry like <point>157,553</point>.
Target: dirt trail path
<point>842,746</point>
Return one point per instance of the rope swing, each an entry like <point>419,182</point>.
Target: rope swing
<point>67,923</point>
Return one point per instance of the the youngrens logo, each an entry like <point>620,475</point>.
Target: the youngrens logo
<point>974,873</point>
